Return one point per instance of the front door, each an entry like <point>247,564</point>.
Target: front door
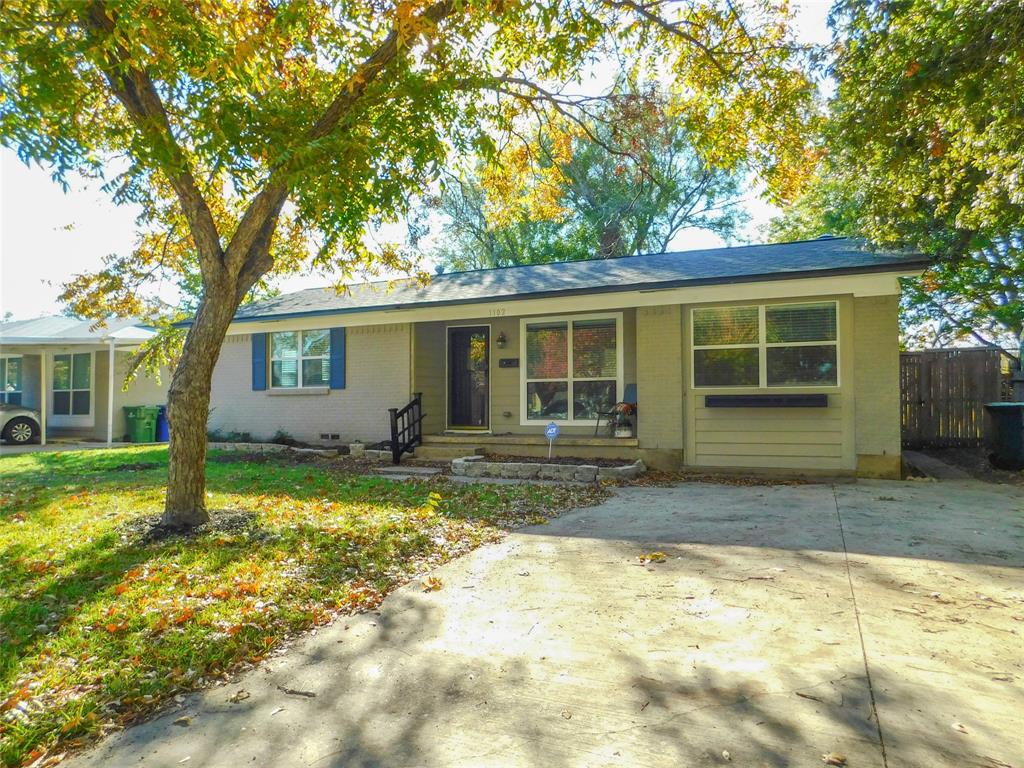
<point>469,355</point>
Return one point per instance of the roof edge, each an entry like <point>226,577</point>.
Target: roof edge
<point>654,286</point>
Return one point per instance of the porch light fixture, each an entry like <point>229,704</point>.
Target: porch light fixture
<point>502,340</point>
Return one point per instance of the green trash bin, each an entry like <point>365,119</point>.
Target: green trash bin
<point>141,423</point>
<point>1007,435</point>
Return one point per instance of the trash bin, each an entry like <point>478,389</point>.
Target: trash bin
<point>141,423</point>
<point>1007,435</point>
<point>163,432</point>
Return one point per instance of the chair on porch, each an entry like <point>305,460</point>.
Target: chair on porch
<point>628,397</point>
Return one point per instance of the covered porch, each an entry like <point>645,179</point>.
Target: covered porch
<point>506,378</point>
<point>71,375</point>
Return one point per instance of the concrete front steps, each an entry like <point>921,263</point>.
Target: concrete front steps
<point>443,452</point>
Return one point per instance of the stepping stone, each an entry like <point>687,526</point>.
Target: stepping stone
<point>406,470</point>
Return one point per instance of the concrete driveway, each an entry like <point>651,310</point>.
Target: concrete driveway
<point>881,622</point>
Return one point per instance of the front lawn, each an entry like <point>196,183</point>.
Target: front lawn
<point>100,624</point>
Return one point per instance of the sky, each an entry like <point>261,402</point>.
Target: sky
<point>48,235</point>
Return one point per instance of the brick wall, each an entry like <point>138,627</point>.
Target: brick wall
<point>377,378</point>
<point>659,377</point>
<point>877,385</point>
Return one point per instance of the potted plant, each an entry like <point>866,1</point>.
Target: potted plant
<point>623,419</point>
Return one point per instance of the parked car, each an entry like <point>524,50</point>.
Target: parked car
<point>19,425</point>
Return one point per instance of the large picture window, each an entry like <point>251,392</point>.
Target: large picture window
<point>10,380</point>
<point>300,359</point>
<point>72,384</point>
<point>572,368</point>
<point>773,345</point>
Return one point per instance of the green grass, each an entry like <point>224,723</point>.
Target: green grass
<point>99,626</point>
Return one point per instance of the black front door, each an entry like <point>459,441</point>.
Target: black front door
<point>469,355</point>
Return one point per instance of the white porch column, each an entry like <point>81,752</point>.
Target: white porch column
<point>42,398</point>
<point>110,395</point>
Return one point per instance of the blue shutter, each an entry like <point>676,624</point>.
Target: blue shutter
<point>337,358</point>
<point>259,362</point>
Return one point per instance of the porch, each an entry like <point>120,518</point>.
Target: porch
<point>72,374</point>
<point>500,380</point>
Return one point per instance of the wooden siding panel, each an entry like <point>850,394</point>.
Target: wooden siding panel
<point>782,438</point>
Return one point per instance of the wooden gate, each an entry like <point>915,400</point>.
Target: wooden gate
<point>943,393</point>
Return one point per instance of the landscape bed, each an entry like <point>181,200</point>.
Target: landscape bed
<point>527,468</point>
<point>102,621</point>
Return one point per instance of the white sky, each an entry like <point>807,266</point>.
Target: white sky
<point>47,235</point>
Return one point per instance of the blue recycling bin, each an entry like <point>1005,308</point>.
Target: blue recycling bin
<point>163,432</point>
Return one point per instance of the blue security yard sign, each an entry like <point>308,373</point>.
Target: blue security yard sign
<point>551,431</point>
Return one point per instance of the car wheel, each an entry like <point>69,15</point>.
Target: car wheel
<point>21,430</point>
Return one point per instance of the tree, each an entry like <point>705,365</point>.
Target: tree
<point>976,297</point>
<point>827,206</point>
<point>335,114</point>
<point>927,128</point>
<point>925,143</point>
<point>602,202</point>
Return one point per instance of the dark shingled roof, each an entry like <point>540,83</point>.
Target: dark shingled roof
<point>807,258</point>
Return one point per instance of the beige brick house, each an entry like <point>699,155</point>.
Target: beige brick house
<point>770,357</point>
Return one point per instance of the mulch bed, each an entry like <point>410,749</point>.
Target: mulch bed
<point>346,464</point>
<point>498,457</point>
<point>271,457</point>
<point>974,461</point>
<point>137,466</point>
<point>660,478</point>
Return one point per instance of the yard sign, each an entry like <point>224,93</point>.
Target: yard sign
<point>551,432</point>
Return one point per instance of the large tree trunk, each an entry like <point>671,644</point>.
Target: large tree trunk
<point>188,408</point>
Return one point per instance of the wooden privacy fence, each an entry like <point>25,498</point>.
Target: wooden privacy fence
<point>943,394</point>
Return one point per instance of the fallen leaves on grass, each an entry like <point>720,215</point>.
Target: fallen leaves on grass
<point>113,616</point>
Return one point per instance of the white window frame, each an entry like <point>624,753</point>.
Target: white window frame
<point>763,345</point>
<point>72,420</point>
<point>300,358</point>
<point>524,379</point>
<point>3,382</point>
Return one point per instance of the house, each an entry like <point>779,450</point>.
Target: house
<point>763,357</point>
<point>77,370</point>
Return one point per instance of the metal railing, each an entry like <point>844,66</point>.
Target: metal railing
<point>406,427</point>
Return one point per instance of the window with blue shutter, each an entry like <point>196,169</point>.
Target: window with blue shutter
<point>337,358</point>
<point>259,362</point>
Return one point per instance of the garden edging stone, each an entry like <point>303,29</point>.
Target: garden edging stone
<point>477,466</point>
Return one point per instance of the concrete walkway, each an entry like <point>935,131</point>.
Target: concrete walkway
<point>879,621</point>
<point>58,446</point>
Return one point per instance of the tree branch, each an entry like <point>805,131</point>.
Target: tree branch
<point>270,200</point>
<point>135,90</point>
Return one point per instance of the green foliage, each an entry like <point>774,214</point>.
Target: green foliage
<point>603,201</point>
<point>925,146</point>
<point>352,108</point>
<point>827,207</point>
<point>927,120</point>
<point>975,299</point>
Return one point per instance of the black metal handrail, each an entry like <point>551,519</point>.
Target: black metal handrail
<point>406,427</point>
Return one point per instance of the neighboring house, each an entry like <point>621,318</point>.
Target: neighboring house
<point>758,357</point>
<point>77,370</point>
